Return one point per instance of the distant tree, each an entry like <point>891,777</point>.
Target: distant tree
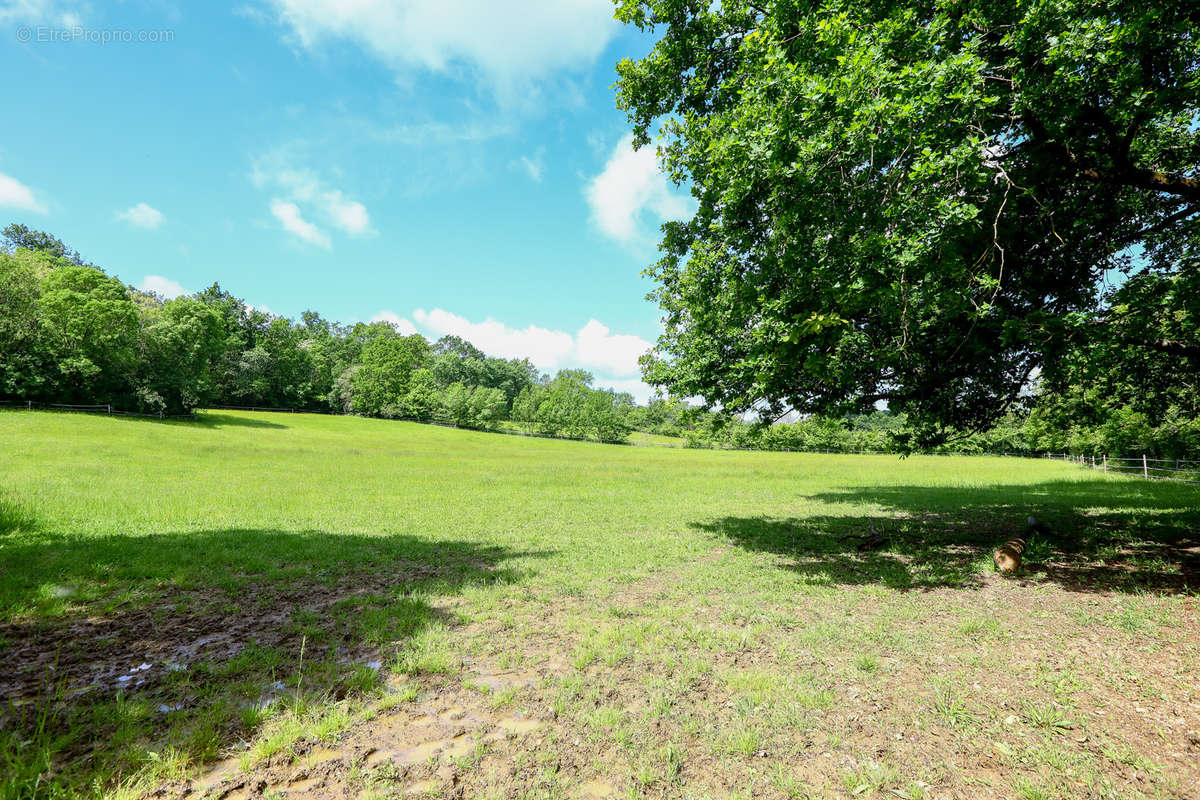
<point>450,367</point>
<point>292,371</point>
<point>24,361</point>
<point>456,405</point>
<point>89,325</point>
<point>458,361</point>
<point>456,345</point>
<point>180,342</point>
<point>388,360</point>
<point>341,396</point>
<point>563,412</point>
<point>421,400</point>
<point>1142,352</point>
<point>328,347</point>
<point>607,415</point>
<point>18,236</point>
<point>250,383</point>
<point>488,407</point>
<point>512,376</point>
<point>525,406</point>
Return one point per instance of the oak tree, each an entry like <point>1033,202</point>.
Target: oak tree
<point>911,203</point>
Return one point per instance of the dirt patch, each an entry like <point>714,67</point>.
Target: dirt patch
<point>420,747</point>
<point>137,648</point>
<point>696,681</point>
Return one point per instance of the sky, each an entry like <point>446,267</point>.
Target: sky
<point>449,166</point>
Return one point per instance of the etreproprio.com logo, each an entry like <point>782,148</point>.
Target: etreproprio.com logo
<point>78,33</point>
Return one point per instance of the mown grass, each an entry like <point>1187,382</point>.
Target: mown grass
<point>716,613</point>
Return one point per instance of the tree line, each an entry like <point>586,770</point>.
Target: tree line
<point>71,333</point>
<point>1124,431</point>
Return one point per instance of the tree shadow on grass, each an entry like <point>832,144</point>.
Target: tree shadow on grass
<point>14,518</point>
<point>1102,536</point>
<point>209,420</point>
<point>215,419</point>
<point>114,648</point>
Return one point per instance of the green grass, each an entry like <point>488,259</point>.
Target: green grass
<point>712,611</point>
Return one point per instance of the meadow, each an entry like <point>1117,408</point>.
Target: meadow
<point>292,605</point>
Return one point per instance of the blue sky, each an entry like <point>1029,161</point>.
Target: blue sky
<point>453,166</point>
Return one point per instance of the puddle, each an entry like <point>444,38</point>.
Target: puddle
<point>458,716</point>
<point>301,784</point>
<point>454,747</point>
<point>516,726</point>
<point>227,771</point>
<point>597,790</point>
<point>271,693</point>
<point>319,755</point>
<point>499,681</point>
<point>135,676</point>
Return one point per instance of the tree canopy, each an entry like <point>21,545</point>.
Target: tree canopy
<point>70,333</point>
<point>917,203</point>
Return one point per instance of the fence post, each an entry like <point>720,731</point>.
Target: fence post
<point>29,405</point>
<point>1106,463</point>
<point>1145,470</point>
<point>109,407</point>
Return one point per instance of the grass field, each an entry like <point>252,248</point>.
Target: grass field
<point>287,605</point>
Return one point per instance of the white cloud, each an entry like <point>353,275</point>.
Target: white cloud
<point>304,187</point>
<point>14,194</point>
<point>162,286</point>
<point>594,347</point>
<point>641,391</point>
<point>597,142</point>
<point>403,326</point>
<point>44,12</point>
<point>544,347</point>
<point>289,216</point>
<point>510,43</point>
<point>616,354</point>
<point>630,192</point>
<point>349,215</point>
<point>533,167</point>
<point>142,216</point>
<point>438,132</point>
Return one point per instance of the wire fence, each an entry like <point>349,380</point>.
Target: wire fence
<point>1182,470</point>
<point>95,408</point>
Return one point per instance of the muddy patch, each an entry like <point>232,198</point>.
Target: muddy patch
<point>137,649</point>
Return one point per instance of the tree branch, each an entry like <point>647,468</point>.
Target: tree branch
<point>1124,174</point>
<point>1138,178</point>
